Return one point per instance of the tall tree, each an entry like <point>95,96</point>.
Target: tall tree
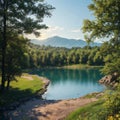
<point>22,16</point>
<point>15,56</point>
<point>106,24</point>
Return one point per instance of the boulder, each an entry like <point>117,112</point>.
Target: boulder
<point>110,80</point>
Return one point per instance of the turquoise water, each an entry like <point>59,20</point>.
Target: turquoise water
<point>69,83</point>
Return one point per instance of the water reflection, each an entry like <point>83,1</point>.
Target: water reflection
<point>68,83</point>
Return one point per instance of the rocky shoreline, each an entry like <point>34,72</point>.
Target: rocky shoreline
<point>110,80</point>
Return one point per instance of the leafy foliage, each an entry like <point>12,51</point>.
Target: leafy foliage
<point>18,17</point>
<point>41,56</point>
<point>15,56</point>
<point>112,105</point>
<point>106,24</point>
<point>24,16</point>
<point>111,52</point>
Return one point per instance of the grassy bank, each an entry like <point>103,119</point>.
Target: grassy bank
<point>88,112</point>
<point>26,86</point>
<point>80,66</point>
<point>73,66</point>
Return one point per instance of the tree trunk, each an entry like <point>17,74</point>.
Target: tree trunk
<point>8,84</point>
<point>3,47</point>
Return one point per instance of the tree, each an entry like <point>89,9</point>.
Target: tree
<point>22,16</point>
<point>111,52</point>
<point>106,24</point>
<point>15,57</point>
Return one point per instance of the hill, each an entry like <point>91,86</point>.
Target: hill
<point>57,41</point>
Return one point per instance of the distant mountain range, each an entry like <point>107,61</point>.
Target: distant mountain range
<point>57,41</point>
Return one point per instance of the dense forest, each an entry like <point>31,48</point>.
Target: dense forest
<point>41,56</point>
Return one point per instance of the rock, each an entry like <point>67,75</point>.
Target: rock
<point>110,80</point>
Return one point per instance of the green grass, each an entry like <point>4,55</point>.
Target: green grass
<point>21,89</point>
<point>73,66</point>
<point>88,112</point>
<point>80,66</point>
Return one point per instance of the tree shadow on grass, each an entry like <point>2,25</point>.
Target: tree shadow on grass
<point>14,96</point>
<point>17,104</point>
<point>28,112</point>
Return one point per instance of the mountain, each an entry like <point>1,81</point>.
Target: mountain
<point>57,41</point>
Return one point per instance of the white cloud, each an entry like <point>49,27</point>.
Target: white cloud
<point>55,28</point>
<point>52,29</point>
<point>50,32</point>
<point>76,31</point>
<point>46,33</point>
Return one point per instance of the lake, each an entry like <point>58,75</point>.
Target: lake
<point>70,83</point>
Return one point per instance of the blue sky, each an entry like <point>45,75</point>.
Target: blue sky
<point>67,19</point>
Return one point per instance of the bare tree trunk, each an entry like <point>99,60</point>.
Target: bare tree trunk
<point>3,47</point>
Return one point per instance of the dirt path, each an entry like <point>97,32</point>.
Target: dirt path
<point>48,109</point>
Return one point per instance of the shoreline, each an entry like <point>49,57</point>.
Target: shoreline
<point>21,101</point>
<point>37,104</point>
<point>72,66</point>
<point>42,109</point>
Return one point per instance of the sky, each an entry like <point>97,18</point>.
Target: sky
<point>66,20</point>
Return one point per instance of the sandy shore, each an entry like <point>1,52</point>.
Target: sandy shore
<point>37,109</point>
